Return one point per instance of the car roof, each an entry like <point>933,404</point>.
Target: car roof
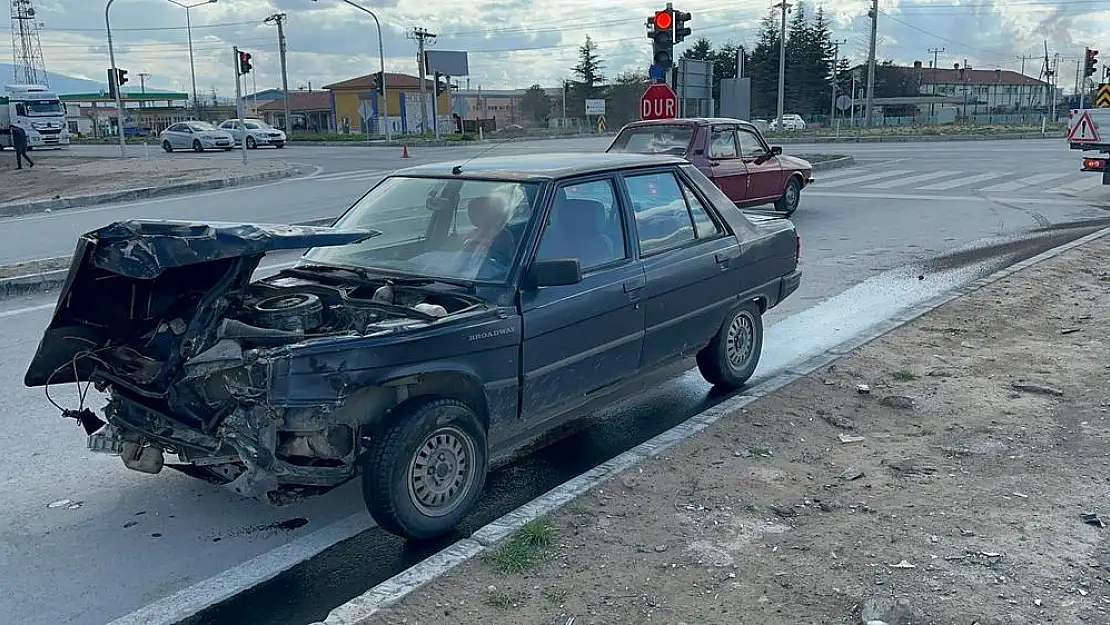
<point>541,166</point>
<point>690,121</point>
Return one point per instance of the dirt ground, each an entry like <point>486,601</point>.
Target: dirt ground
<point>58,175</point>
<point>952,493</point>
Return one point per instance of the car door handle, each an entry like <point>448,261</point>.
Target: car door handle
<point>635,284</point>
<point>723,258</point>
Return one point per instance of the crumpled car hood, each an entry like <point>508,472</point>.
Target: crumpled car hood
<point>148,256</point>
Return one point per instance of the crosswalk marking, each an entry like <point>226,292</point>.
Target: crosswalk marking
<point>1085,181</point>
<point>857,179</point>
<point>839,173</point>
<point>1014,185</point>
<point>960,182</point>
<point>349,175</point>
<point>898,182</point>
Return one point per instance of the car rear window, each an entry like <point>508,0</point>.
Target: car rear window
<point>654,139</point>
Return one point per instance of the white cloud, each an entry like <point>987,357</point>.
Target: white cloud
<point>514,43</point>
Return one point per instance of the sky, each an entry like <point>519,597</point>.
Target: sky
<point>517,43</point>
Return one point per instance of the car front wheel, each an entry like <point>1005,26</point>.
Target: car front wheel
<point>732,356</point>
<point>425,473</point>
<point>791,196</point>
<point>251,143</point>
<point>167,146</point>
<point>197,147</point>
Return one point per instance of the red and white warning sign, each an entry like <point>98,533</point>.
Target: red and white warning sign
<point>1083,129</point>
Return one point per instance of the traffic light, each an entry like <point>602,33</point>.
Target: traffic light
<point>1091,59</point>
<point>681,30</point>
<point>244,62</point>
<point>661,32</point>
<point>121,77</point>
<point>441,87</point>
<point>116,78</point>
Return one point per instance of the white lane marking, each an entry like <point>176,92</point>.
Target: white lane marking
<point>962,182</point>
<point>901,182</point>
<point>948,198</point>
<point>64,212</point>
<point>843,182</point>
<point>853,170</point>
<point>1087,180</point>
<point>1014,185</point>
<point>352,175</point>
<point>31,309</point>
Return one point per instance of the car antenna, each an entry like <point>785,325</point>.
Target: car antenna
<point>457,169</point>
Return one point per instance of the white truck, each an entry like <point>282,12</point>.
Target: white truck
<point>38,111</point>
<point>1089,130</point>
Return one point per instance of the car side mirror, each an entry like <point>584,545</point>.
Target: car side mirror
<point>559,272</point>
<point>776,150</point>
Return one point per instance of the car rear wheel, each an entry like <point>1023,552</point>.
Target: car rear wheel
<point>732,356</point>
<point>251,143</point>
<point>425,473</point>
<point>197,147</point>
<point>167,146</point>
<point>791,196</point>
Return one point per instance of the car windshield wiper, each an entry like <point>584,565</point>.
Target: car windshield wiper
<point>374,275</point>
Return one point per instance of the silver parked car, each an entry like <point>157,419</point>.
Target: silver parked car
<point>258,133</point>
<point>197,135</point>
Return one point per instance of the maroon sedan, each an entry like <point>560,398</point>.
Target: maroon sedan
<point>731,152</point>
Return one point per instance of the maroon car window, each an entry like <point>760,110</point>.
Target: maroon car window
<point>662,219</point>
<point>722,144</point>
<point>750,146</point>
<point>654,139</point>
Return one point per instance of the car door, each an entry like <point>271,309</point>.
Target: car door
<point>765,177</point>
<point>726,169</point>
<point>689,259</point>
<point>580,338</point>
<point>177,134</point>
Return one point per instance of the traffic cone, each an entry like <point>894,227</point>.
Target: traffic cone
<point>405,150</point>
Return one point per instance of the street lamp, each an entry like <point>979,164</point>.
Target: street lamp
<point>189,28</point>
<point>381,59</point>
<point>112,60</point>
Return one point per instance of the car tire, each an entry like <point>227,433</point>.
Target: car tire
<point>732,356</point>
<point>442,429</point>
<point>167,146</point>
<point>197,147</point>
<point>227,149</point>
<point>251,143</point>
<point>791,197</point>
<point>279,145</point>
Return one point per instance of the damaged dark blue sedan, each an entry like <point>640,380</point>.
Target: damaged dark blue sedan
<point>453,315</point>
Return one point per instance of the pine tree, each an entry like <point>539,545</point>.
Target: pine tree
<point>822,51</point>
<point>763,67</point>
<point>702,50</point>
<point>798,59</point>
<point>590,80</point>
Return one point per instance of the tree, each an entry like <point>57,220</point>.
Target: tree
<point>702,50</point>
<point>623,101</point>
<point>589,79</point>
<point>535,104</point>
<point>763,67</point>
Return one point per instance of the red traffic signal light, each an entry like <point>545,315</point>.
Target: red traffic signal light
<point>244,62</point>
<point>663,20</point>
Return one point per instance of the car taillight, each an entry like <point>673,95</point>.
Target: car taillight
<point>1097,164</point>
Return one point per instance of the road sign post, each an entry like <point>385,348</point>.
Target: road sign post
<point>659,102</point>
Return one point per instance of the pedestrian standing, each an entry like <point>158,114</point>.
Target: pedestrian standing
<point>19,142</point>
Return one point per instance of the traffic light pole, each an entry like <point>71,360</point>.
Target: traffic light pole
<point>115,73</point>
<point>239,102</point>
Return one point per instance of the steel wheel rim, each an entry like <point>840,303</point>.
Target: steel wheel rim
<point>739,341</point>
<point>441,473</point>
<point>791,194</point>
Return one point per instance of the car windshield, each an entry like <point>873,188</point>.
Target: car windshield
<point>256,125</point>
<point>201,126</point>
<point>448,228</point>
<point>40,108</point>
<point>654,139</point>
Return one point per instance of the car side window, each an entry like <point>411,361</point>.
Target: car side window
<point>704,226</point>
<point>584,224</point>
<point>722,144</point>
<point>750,145</point>
<point>662,218</point>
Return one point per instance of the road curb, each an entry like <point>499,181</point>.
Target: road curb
<point>16,209</point>
<point>48,280</point>
<point>917,138</point>
<point>51,279</point>
<point>361,609</point>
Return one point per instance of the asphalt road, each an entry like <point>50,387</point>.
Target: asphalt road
<point>124,540</point>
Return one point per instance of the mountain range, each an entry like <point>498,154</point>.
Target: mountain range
<point>64,85</point>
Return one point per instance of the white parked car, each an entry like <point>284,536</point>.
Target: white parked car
<point>790,121</point>
<point>257,132</point>
<point>199,136</point>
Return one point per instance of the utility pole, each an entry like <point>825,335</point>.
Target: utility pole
<point>421,35</point>
<point>782,62</point>
<point>835,75</point>
<point>279,19</point>
<point>935,52</point>
<point>870,106</point>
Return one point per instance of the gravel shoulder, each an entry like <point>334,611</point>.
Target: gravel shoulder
<point>61,176</point>
<point>953,492</point>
